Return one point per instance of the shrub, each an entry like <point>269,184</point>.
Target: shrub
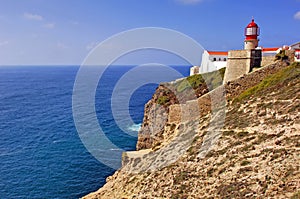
<point>281,56</point>
<point>163,100</point>
<point>211,79</point>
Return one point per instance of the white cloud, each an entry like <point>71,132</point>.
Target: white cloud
<point>35,17</point>
<point>190,2</point>
<point>3,43</point>
<point>297,15</point>
<point>49,25</point>
<point>92,45</point>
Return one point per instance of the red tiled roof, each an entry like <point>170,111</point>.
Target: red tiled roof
<point>218,53</point>
<point>226,53</point>
<point>269,49</point>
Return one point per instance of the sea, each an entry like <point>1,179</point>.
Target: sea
<point>41,152</point>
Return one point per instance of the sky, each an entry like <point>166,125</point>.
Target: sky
<point>63,32</point>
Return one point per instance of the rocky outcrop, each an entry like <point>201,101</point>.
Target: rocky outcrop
<point>247,149</point>
<point>155,117</point>
<point>158,126</point>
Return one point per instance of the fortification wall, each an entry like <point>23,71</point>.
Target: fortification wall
<point>266,60</point>
<point>194,109</point>
<point>241,62</point>
<point>238,64</point>
<point>181,113</point>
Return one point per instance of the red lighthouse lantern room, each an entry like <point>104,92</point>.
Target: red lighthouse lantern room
<point>251,32</point>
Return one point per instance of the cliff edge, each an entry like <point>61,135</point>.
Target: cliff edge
<point>238,140</point>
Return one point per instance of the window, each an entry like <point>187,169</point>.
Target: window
<point>224,59</point>
<point>215,59</point>
<point>219,59</point>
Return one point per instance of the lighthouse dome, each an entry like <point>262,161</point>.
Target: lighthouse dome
<point>252,24</point>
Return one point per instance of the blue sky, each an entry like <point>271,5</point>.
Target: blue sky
<point>64,31</point>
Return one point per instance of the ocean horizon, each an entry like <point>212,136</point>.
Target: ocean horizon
<point>41,153</point>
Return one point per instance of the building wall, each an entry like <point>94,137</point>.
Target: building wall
<point>297,56</point>
<point>241,62</point>
<point>194,70</point>
<point>212,62</point>
<point>296,48</point>
<point>202,106</point>
<point>206,63</point>
<point>266,60</point>
<point>250,44</point>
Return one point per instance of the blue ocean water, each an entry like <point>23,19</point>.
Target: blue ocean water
<point>41,154</point>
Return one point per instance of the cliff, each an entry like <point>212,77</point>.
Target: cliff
<point>156,127</point>
<point>238,140</point>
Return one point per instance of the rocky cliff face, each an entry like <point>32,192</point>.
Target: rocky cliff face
<point>156,128</point>
<point>155,117</point>
<point>248,148</point>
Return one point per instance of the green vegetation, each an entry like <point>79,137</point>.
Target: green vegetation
<point>212,80</point>
<point>282,76</point>
<point>281,56</point>
<point>162,100</point>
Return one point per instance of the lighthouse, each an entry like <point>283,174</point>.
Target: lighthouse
<point>251,32</point>
<point>241,62</point>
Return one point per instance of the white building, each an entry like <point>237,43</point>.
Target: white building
<point>296,47</point>
<point>215,60</point>
<point>211,61</point>
<point>270,52</point>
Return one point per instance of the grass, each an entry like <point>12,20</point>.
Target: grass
<point>281,77</point>
<point>211,79</point>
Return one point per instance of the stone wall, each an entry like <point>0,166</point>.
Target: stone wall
<point>181,113</point>
<point>241,62</point>
<point>156,118</point>
<point>238,64</point>
<point>266,60</point>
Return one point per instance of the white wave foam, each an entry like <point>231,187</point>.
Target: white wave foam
<point>135,127</point>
